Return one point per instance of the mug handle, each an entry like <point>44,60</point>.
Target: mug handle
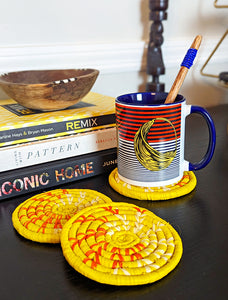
<point>212,138</point>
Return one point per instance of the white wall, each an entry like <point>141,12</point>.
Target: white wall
<point>112,35</point>
<point>69,21</point>
<point>102,21</point>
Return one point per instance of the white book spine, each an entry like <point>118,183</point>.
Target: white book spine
<point>28,154</point>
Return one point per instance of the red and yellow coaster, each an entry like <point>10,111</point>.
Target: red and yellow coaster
<point>41,217</point>
<point>181,188</point>
<point>120,244</point>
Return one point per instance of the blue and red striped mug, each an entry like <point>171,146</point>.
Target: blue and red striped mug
<point>151,139</point>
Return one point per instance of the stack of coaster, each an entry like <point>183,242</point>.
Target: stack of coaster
<point>112,243</point>
<point>181,188</point>
<point>120,244</point>
<point>41,217</point>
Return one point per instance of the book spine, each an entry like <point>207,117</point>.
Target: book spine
<point>50,130</point>
<point>44,177</point>
<point>38,152</point>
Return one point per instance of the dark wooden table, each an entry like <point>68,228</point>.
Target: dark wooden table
<point>30,270</point>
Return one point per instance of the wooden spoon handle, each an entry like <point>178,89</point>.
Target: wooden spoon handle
<point>186,64</point>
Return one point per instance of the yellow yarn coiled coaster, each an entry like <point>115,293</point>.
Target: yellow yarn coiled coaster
<point>183,187</point>
<point>120,244</point>
<point>41,217</point>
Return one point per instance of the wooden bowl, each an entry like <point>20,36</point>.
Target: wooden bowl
<point>48,89</point>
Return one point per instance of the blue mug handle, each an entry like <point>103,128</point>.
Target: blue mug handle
<point>212,138</point>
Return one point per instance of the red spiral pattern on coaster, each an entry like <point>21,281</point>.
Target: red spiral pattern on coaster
<point>120,244</point>
<point>42,217</point>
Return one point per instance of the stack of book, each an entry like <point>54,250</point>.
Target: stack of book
<point>39,150</point>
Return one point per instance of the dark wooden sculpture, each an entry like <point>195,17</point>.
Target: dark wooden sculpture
<point>155,65</point>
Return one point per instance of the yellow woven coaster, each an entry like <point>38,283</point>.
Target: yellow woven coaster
<point>183,187</point>
<point>41,217</point>
<point>120,244</point>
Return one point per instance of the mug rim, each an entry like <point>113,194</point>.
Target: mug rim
<point>118,99</point>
